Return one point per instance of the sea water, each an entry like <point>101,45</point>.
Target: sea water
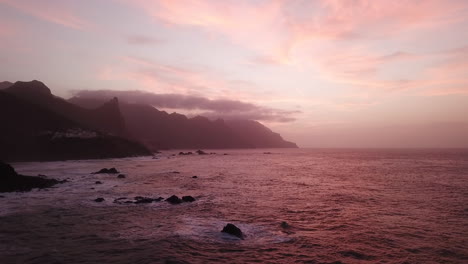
<point>293,206</point>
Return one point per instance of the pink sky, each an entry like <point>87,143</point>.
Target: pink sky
<point>349,73</point>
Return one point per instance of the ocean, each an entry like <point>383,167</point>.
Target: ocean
<point>293,206</point>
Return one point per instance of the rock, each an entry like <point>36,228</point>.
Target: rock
<point>140,199</point>
<point>285,225</point>
<point>174,200</point>
<point>176,172</point>
<point>121,176</point>
<point>266,152</point>
<point>99,200</point>
<point>194,177</point>
<point>6,170</point>
<point>10,181</point>
<point>158,199</point>
<point>201,152</point>
<point>98,182</point>
<point>233,230</point>
<point>105,170</point>
<point>188,198</point>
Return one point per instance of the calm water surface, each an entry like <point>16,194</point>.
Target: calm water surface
<point>342,206</point>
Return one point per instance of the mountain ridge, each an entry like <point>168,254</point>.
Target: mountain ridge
<point>161,130</point>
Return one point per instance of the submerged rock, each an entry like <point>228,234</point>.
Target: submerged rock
<point>98,182</point>
<point>201,152</point>
<point>233,230</point>
<point>99,200</point>
<point>140,199</point>
<point>121,176</point>
<point>10,181</point>
<point>105,170</point>
<point>174,200</point>
<point>194,177</point>
<point>285,225</point>
<point>188,198</point>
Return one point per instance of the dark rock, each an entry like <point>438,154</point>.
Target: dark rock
<point>174,200</point>
<point>99,200</point>
<point>158,199</point>
<point>176,172</point>
<point>188,198</point>
<point>201,152</point>
<point>98,182</point>
<point>266,152</point>
<point>121,176</point>
<point>225,154</point>
<point>285,225</point>
<point>194,177</point>
<point>6,170</point>
<point>105,170</point>
<point>10,181</point>
<point>233,230</point>
<point>143,200</point>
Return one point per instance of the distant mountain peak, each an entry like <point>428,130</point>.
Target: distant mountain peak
<point>30,89</point>
<point>5,84</point>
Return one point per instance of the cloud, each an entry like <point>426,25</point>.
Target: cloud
<point>275,29</point>
<point>57,12</point>
<point>213,108</point>
<point>142,40</point>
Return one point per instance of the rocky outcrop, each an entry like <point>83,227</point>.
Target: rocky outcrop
<point>10,181</point>
<point>107,171</point>
<point>233,230</point>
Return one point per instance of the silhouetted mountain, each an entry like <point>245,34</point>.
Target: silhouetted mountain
<point>105,118</point>
<point>33,133</point>
<point>4,85</point>
<point>258,135</point>
<point>160,130</point>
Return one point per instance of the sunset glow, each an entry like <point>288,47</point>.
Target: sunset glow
<point>325,73</point>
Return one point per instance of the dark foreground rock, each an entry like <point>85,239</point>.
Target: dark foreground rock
<point>233,230</point>
<point>174,200</point>
<point>10,181</point>
<point>105,170</point>
<point>201,152</point>
<point>188,198</point>
<point>99,200</point>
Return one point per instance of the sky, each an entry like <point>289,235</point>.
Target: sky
<point>323,73</point>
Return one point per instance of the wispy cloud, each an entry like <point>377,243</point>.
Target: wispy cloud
<point>142,40</point>
<point>57,12</point>
<point>213,108</point>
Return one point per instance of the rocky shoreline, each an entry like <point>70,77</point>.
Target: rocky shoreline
<point>10,181</point>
